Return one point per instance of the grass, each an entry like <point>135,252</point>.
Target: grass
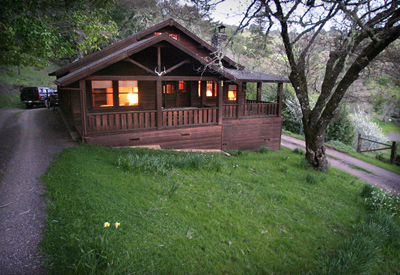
<point>28,75</point>
<point>387,126</point>
<point>11,101</point>
<point>254,213</point>
<point>360,168</point>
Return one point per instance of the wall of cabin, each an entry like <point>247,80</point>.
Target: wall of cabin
<point>252,133</point>
<point>194,137</point>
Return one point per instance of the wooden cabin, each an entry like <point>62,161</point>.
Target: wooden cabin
<point>162,87</point>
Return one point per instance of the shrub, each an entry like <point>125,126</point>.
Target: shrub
<point>341,128</point>
<point>299,151</point>
<point>381,157</point>
<point>264,150</point>
<point>381,201</point>
<point>367,191</point>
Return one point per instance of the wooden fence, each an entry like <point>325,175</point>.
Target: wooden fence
<point>392,147</point>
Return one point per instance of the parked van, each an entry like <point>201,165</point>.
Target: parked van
<point>34,96</point>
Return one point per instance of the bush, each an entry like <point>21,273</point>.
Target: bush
<point>341,128</point>
<point>264,150</point>
<point>367,191</point>
<point>383,202</point>
<point>299,151</point>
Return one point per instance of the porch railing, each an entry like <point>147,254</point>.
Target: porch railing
<point>251,109</point>
<point>138,120</point>
<point>189,116</point>
<point>260,109</point>
<point>121,121</point>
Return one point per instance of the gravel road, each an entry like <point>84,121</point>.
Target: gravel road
<point>29,141</point>
<point>378,177</point>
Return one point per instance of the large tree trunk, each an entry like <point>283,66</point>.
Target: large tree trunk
<point>315,148</point>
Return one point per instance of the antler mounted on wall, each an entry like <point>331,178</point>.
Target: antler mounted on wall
<point>159,73</point>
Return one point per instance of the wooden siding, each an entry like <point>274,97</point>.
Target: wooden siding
<point>252,133</point>
<point>193,137</point>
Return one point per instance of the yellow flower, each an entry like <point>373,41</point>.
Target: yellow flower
<point>117,224</point>
<point>106,224</point>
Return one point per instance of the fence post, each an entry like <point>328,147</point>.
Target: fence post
<point>359,143</point>
<point>393,152</point>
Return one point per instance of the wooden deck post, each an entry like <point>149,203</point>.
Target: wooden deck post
<point>359,140</point>
<point>259,89</point>
<point>203,90</point>
<point>279,98</point>
<point>159,103</point>
<point>393,152</point>
<point>220,101</point>
<point>159,92</point>
<point>82,94</point>
<point>240,99</point>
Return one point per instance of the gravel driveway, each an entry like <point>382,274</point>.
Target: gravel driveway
<point>29,141</point>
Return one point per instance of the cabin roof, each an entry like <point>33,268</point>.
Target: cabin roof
<point>140,41</point>
<point>245,75</point>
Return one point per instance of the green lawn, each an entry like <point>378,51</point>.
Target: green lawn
<point>387,127</point>
<point>29,76</point>
<point>186,213</point>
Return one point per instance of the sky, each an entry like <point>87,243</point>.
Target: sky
<point>230,12</point>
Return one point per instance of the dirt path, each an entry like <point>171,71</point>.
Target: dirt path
<point>29,141</point>
<point>378,177</point>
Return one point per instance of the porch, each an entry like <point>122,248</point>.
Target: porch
<point>106,122</point>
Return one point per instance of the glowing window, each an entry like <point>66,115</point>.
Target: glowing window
<point>232,91</point>
<point>169,89</point>
<point>182,86</point>
<point>210,91</point>
<point>128,93</point>
<point>157,33</point>
<point>199,89</point>
<point>102,94</point>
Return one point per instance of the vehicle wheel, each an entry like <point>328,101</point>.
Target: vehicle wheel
<point>29,106</point>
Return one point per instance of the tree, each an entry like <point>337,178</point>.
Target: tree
<point>360,31</point>
<point>33,31</point>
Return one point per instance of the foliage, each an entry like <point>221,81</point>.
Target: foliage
<point>299,151</point>
<point>380,201</point>
<point>365,126</point>
<point>197,220</point>
<point>32,32</point>
<point>341,128</point>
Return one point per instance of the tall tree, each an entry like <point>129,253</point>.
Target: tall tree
<point>33,31</point>
<point>360,31</point>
